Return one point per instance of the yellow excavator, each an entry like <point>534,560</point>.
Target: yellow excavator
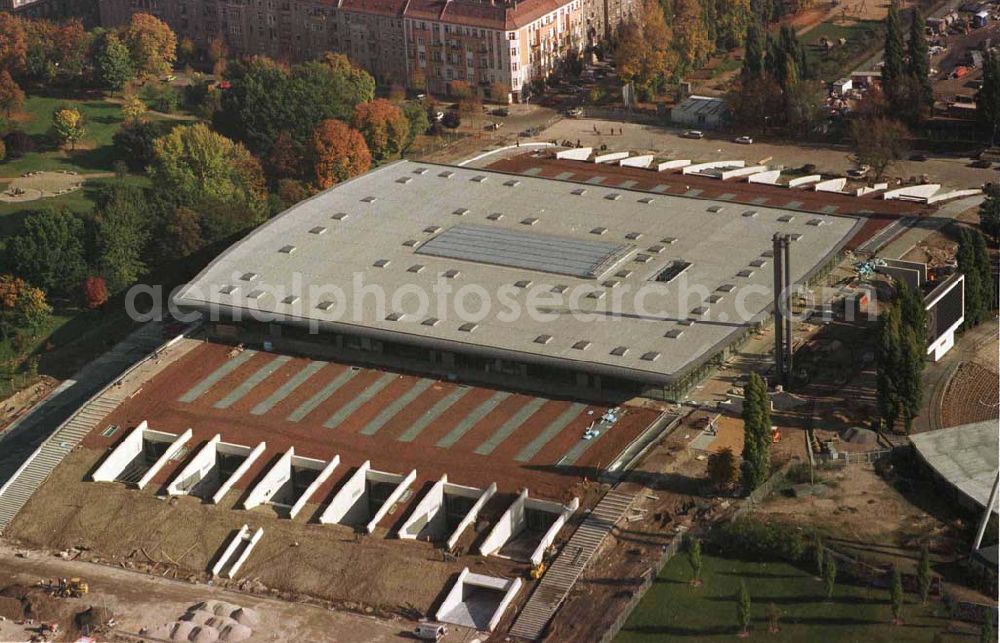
<point>71,588</point>
<point>538,570</point>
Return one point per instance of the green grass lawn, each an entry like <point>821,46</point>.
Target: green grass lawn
<point>863,38</point>
<point>674,610</point>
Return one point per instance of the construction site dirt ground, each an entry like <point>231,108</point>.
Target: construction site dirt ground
<point>138,601</point>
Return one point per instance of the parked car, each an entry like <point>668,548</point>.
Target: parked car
<point>693,133</point>
<point>743,140</point>
<point>574,112</point>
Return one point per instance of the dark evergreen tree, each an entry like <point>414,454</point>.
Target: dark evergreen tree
<point>919,66</point>
<point>755,51</point>
<point>989,214</point>
<point>975,307</point>
<point>49,251</point>
<point>924,574</point>
<point>888,360</point>
<point>988,289</point>
<point>893,71</point>
<point>988,97</point>
<point>756,433</point>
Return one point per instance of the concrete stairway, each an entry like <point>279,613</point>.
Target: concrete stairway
<point>568,565</point>
<point>16,492</point>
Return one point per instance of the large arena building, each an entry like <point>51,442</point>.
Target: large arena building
<point>536,283</point>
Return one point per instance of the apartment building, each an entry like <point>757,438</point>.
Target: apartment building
<point>426,44</point>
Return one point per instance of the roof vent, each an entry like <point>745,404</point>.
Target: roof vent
<point>529,220</point>
<point>795,236</point>
<point>633,236</point>
<point>714,299</point>
<point>642,258</point>
<point>595,294</point>
<point>656,249</point>
<point>746,273</point>
<point>560,289</point>
<point>543,339</point>
<point>249,276</point>
<point>404,179</point>
<point>524,283</point>
<point>612,196</point>
<point>369,199</point>
<point>287,250</point>
<point>479,178</point>
<point>624,274</point>
<point>669,241</point>
<point>461,211</point>
<point>598,230</point>
<point>430,321</point>
<point>340,216</point>
<point>582,345</point>
<point>513,183</point>
<point>381,263</point>
<point>758,263</point>
<point>255,294</point>
<point>579,192</point>
<point>726,288</point>
<point>715,209</point>
<point>619,351</point>
<point>646,200</point>
<point>814,222</point>
<point>325,305</point>
<point>673,333</point>
<point>786,218</point>
<point>415,268</point>
<point>611,283</point>
<point>447,174</point>
<point>468,327</point>
<point>394,316</point>
<point>450,274</point>
<point>411,243</point>
<point>750,214</point>
<point>432,229</point>
<point>420,170</point>
<point>651,356</point>
<point>290,300</point>
<point>495,216</point>
<point>317,230</point>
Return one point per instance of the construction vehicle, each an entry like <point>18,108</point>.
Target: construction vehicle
<point>538,570</point>
<point>71,588</point>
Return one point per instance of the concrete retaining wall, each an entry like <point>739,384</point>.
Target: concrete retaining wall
<point>954,194</point>
<point>472,515</point>
<point>701,167</point>
<point>311,489</point>
<point>453,600</point>
<point>118,459</point>
<point>168,455</point>
<point>916,192</point>
<point>575,154</point>
<point>769,177</point>
<point>725,175</point>
<point>196,469</point>
<point>347,496</point>
<point>239,473</point>
<point>804,180</point>
<point>610,156</point>
<point>509,524</point>
<point>832,185</point>
<point>393,498</point>
<point>272,481</point>
<point>672,165</point>
<point>637,161</point>
<point>550,536</point>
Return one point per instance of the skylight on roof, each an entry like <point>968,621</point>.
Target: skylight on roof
<point>450,274</point>
<point>479,178</point>
<point>598,230</point>
<point>651,356</point>
<point>543,339</point>
<point>432,229</point>
<point>460,211</point>
<point>430,321</point>
<point>578,191</point>
<point>317,230</point>
<point>633,236</point>
<point>619,351</point>
<point>646,200</point>
<point>581,345</point>
<point>286,250</point>
<point>394,317</point>
<point>513,183</point>
<point>369,199</point>
<point>715,208</point>
<point>447,174</point>
<point>468,327</point>
<point>415,268</point>
<point>529,220</point>
<point>404,179</point>
<point>290,300</point>
<point>249,276</point>
<point>381,263</point>
<point>612,196</point>
<point>339,216</point>
<point>495,216</point>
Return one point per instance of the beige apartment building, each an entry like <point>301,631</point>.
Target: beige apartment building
<point>425,44</point>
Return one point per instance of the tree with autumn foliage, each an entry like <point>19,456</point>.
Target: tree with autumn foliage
<point>133,108</point>
<point>384,127</point>
<point>69,126</point>
<point>644,51</point>
<point>13,42</point>
<point>95,292</point>
<point>11,96</point>
<point>152,44</point>
<point>690,36</point>
<point>23,308</point>
<point>339,152</point>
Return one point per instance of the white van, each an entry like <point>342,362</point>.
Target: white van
<point>430,631</point>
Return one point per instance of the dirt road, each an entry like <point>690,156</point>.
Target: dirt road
<point>138,600</point>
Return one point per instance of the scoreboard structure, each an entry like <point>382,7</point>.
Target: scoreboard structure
<point>945,306</point>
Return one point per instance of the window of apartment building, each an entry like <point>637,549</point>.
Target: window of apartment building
<point>512,35</point>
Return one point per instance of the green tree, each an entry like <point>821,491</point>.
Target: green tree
<point>694,559</point>
<point>123,229</point>
<point>383,126</point>
<point>894,69</point>
<point>989,214</point>
<point>888,358</point>
<point>48,251</point>
<point>416,114</point>
<point>878,142</point>
<point>986,634</point>
<point>819,552</point>
<point>919,66</point>
<point>988,96</point>
<point>829,575</point>
<point>913,330</point>
<point>755,52</point>
<point>988,293</point>
<point>195,167</point>
<point>743,608</point>
<point>113,63</point>
<point>975,307</point>
<point>723,468</point>
<point>924,574</point>
<point>69,125</point>
<point>152,45</point>
<point>896,597</point>
<point>756,433</point>
<point>11,96</point>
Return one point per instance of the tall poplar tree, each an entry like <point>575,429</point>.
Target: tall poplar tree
<point>756,433</point>
<point>893,71</point>
<point>919,65</point>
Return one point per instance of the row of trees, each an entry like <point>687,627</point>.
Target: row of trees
<point>900,356</point>
<point>974,262</point>
<point>906,78</point>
